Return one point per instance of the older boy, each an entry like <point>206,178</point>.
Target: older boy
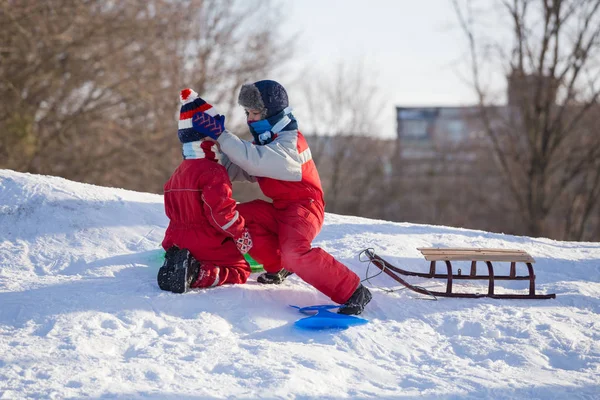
<point>280,161</point>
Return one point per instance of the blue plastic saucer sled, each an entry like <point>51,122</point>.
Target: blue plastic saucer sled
<point>325,319</point>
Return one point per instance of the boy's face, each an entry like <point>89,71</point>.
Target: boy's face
<point>253,115</point>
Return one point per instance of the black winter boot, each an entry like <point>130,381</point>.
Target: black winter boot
<point>179,270</point>
<point>185,272</point>
<point>164,273</point>
<point>357,302</point>
<point>274,278</point>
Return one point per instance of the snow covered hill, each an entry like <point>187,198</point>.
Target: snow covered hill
<point>81,314</point>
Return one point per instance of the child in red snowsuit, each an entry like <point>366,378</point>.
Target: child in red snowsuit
<point>206,237</point>
<point>280,161</point>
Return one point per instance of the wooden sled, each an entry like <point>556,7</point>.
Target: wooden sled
<point>447,255</point>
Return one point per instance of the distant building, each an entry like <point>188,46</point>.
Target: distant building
<point>423,132</point>
<point>423,129</point>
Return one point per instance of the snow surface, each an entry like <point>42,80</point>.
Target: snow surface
<point>81,314</point>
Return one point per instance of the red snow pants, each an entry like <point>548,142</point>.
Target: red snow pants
<point>211,275</point>
<point>282,233</point>
<point>218,256</point>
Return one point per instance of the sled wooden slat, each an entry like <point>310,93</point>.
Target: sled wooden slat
<point>469,250</point>
<point>462,254</point>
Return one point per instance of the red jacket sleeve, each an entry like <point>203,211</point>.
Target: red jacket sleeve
<point>220,207</point>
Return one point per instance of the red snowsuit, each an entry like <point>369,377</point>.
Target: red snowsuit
<point>204,220</point>
<point>282,231</point>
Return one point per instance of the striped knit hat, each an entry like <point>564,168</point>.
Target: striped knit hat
<point>190,105</point>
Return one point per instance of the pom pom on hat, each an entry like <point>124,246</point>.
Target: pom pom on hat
<point>185,94</point>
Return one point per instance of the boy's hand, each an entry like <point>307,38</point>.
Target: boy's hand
<point>208,126</point>
<point>244,242</point>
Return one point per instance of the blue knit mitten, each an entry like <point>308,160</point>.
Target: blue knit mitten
<point>207,125</point>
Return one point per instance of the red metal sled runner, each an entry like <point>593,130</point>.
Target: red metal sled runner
<point>473,255</point>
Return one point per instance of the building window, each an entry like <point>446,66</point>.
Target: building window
<point>456,130</point>
<point>415,129</point>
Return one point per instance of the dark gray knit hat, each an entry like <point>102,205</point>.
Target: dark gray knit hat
<point>264,95</point>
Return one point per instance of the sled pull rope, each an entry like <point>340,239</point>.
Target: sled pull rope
<point>364,257</point>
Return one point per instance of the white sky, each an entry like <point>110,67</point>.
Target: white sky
<point>414,49</point>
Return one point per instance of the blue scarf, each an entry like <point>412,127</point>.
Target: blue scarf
<point>265,130</point>
<point>201,149</point>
